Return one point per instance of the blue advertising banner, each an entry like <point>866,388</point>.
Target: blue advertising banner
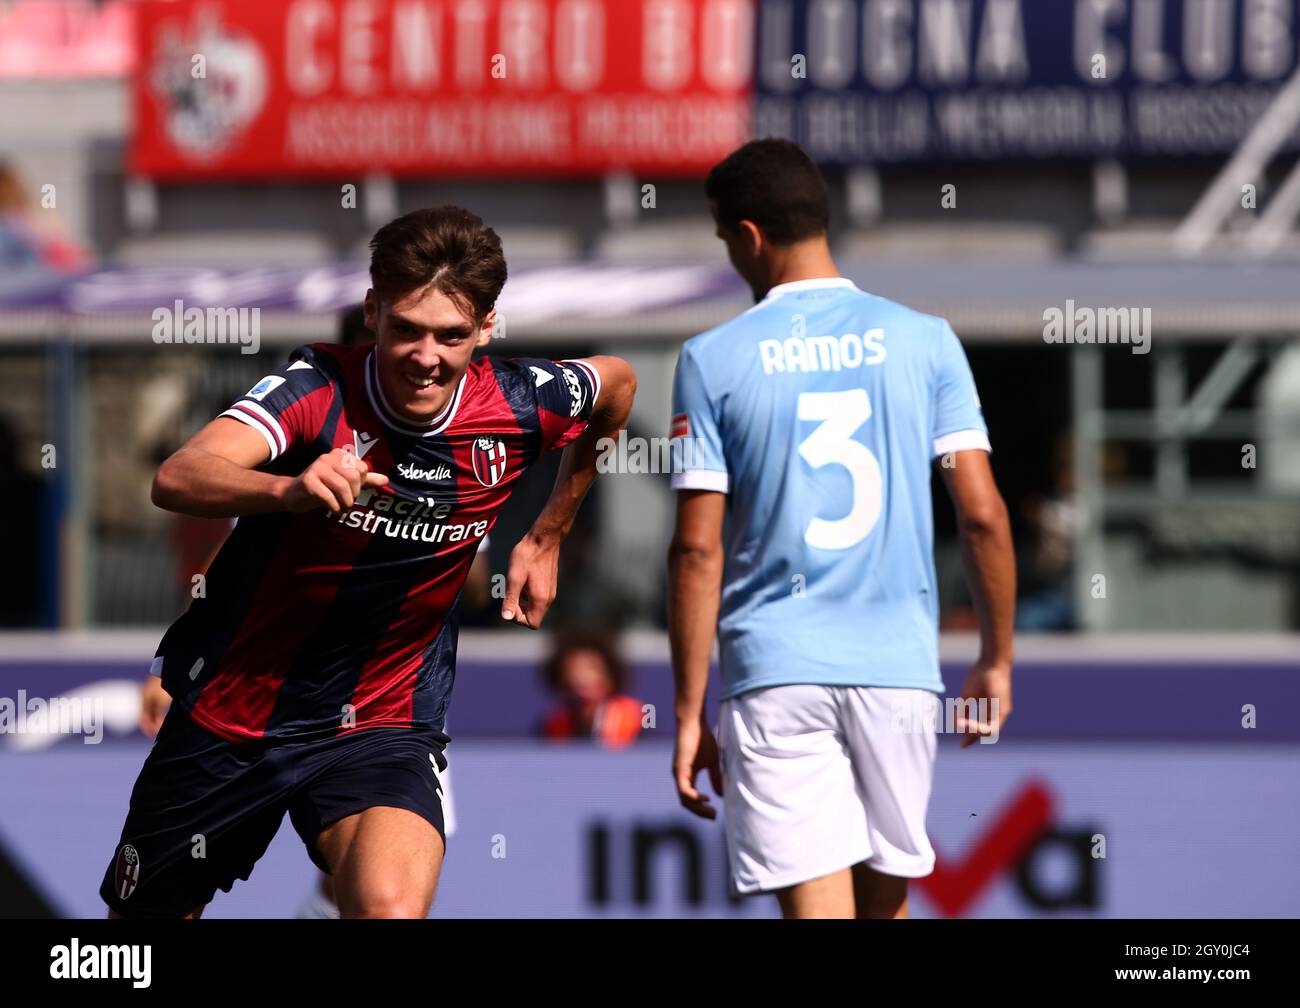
<point>1138,777</point>
<point>1047,830</point>
<point>896,81</point>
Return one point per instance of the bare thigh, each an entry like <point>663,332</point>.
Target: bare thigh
<point>825,898</point>
<point>385,863</point>
<point>878,896</point>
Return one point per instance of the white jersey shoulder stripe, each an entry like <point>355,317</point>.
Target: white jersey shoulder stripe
<point>262,422</point>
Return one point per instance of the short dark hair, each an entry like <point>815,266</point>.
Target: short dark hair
<point>773,183</point>
<point>446,247</point>
<point>585,639</point>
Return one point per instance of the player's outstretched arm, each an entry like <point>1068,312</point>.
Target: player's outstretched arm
<point>213,475</point>
<point>986,550</point>
<point>534,563</point>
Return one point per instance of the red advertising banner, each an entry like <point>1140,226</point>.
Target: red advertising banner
<point>314,88</point>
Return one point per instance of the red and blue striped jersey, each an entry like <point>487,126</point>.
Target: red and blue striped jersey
<point>322,623</point>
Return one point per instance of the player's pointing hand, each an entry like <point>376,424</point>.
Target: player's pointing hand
<point>530,582</point>
<point>332,481</point>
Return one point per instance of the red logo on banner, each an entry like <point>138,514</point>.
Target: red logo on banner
<point>955,885</point>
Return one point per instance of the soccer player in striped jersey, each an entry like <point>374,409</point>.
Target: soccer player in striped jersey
<point>313,676</point>
<point>811,421</point>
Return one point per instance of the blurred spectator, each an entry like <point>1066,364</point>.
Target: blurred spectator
<point>22,241</point>
<point>590,677</point>
<point>20,508</point>
<point>1046,573</point>
<point>1046,569</point>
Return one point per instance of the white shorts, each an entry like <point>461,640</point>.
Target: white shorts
<point>818,778</point>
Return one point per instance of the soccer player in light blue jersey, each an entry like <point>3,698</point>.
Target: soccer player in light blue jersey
<point>810,423</point>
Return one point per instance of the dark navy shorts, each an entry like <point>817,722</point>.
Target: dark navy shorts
<point>204,810</point>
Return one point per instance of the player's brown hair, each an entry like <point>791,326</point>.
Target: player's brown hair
<point>445,247</point>
<point>583,639</point>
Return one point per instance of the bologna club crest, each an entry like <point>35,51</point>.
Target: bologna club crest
<point>126,872</point>
<point>204,116</point>
<point>489,459</point>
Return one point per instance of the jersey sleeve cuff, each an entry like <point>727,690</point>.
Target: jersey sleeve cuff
<point>263,423</point>
<point>962,440</point>
<point>701,479</point>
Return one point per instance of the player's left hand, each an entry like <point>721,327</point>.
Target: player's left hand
<point>530,582</point>
<point>696,750</point>
<point>989,684</point>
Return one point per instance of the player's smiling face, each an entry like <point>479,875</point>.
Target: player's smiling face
<point>423,342</point>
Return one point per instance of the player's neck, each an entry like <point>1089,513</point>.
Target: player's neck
<point>805,261</point>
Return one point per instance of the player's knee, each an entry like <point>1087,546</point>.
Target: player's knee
<point>878,896</point>
<point>886,901</point>
<point>389,899</point>
<point>882,909</point>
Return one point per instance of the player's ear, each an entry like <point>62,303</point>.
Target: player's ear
<point>371,311</point>
<point>485,329</point>
<point>752,236</point>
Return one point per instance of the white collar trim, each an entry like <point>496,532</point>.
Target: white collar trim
<point>813,283</point>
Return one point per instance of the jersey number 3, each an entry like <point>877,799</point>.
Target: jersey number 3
<point>842,413</point>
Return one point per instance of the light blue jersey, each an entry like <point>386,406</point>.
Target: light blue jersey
<point>818,412</point>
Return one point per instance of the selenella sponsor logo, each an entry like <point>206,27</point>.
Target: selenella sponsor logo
<point>412,473</point>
